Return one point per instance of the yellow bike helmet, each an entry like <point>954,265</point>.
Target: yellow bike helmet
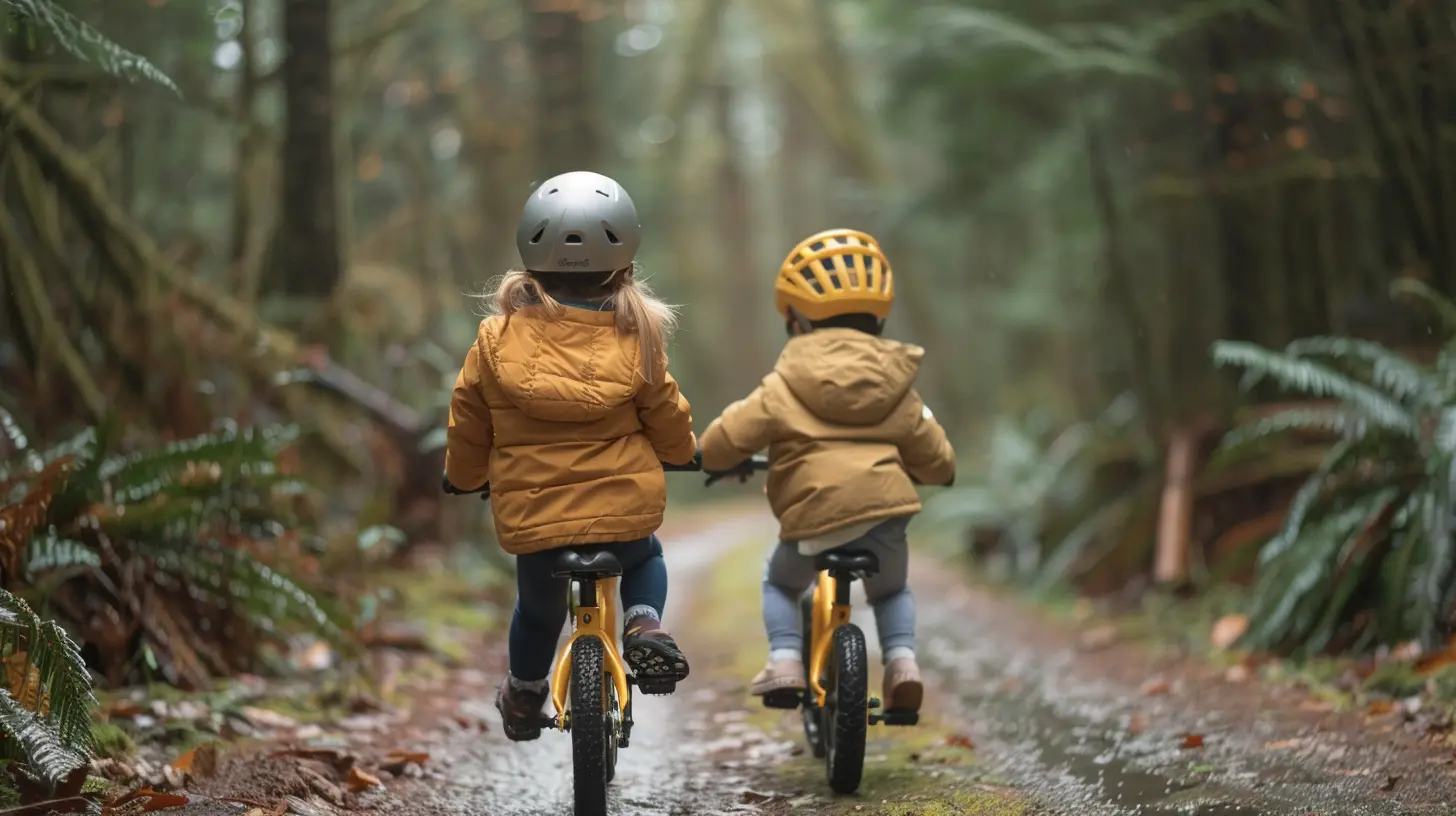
<point>832,273</point>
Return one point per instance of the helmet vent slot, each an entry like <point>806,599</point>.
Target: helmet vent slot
<point>540,233</point>
<point>603,194</point>
<point>612,236</point>
<point>574,238</point>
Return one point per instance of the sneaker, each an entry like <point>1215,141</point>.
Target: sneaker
<point>779,677</point>
<point>903,689</point>
<point>653,656</point>
<point>520,711</point>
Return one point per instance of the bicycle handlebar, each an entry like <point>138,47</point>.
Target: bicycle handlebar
<point>742,470</point>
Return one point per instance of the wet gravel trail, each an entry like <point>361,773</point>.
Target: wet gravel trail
<point>1091,734</point>
<point>1012,705</point>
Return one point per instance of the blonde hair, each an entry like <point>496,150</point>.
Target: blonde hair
<point>638,311</point>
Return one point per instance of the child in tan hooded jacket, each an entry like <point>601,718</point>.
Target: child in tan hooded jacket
<point>848,438</point>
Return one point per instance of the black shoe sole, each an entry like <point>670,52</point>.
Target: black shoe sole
<point>657,664</point>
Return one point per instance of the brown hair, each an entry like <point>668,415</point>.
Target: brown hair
<point>638,311</point>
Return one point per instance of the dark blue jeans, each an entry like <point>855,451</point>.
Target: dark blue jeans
<point>541,599</point>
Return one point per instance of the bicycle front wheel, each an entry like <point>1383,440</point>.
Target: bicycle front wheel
<point>593,743</point>
<point>846,712</point>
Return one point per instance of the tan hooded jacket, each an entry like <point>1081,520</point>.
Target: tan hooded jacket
<point>556,416</point>
<point>845,429</point>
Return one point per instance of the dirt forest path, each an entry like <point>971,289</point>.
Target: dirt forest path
<point>1018,720</point>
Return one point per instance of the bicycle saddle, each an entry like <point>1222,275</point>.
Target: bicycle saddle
<point>848,561</point>
<point>574,564</point>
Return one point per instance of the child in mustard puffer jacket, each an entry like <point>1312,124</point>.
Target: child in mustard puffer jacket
<point>565,406</point>
<point>848,438</point>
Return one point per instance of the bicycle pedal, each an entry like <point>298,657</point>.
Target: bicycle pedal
<point>656,687</point>
<point>785,699</point>
<point>896,718</point>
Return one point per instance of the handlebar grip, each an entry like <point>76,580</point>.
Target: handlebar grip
<point>446,486</point>
<point>693,466</point>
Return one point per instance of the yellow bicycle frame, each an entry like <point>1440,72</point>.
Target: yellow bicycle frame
<point>827,616</point>
<point>599,620</point>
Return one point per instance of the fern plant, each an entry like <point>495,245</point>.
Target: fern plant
<point>1366,553</point>
<point>82,41</point>
<point>151,555</point>
<point>1030,481</point>
<point>45,713</point>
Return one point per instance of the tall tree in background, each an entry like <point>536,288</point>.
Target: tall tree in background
<point>567,132</point>
<point>306,259</point>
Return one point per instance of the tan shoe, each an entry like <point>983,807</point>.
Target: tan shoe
<point>779,676</point>
<point>903,689</point>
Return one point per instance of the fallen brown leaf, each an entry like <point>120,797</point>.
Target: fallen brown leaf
<point>960,741</point>
<point>1098,637</point>
<point>1283,745</point>
<point>183,763</point>
<point>362,780</point>
<point>151,800</point>
<point>121,709</point>
<point>1379,708</point>
<point>265,718</point>
<point>1155,687</point>
<point>1228,630</point>
<point>1192,741</point>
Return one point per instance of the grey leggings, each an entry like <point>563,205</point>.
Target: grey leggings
<point>790,574</point>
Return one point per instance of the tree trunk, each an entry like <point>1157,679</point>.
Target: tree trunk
<point>306,258</point>
<point>567,134</point>
<point>735,230</point>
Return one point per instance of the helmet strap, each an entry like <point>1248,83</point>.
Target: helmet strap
<point>804,324</point>
<point>615,273</point>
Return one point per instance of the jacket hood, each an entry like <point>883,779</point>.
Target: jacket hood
<point>572,369</point>
<point>848,377</point>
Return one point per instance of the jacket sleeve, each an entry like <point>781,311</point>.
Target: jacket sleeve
<point>667,419</point>
<point>925,450</point>
<point>469,436</point>
<point>745,428</point>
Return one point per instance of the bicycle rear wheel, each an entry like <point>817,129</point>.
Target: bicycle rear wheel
<point>846,713</point>
<point>809,708</point>
<point>593,742</point>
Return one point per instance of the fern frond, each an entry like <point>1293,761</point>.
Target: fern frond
<point>35,742</point>
<point>987,29</point>
<point>1318,380</point>
<point>86,43</point>
<point>49,551</point>
<point>1334,420</point>
<point>245,453</point>
<point>45,742</point>
<point>1287,601</point>
<point>271,601</point>
<point>1400,377</point>
<point>13,433</point>
<point>1304,500</point>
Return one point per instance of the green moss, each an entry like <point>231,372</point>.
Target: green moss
<point>979,802</point>
<point>1443,684</point>
<point>112,742</point>
<point>96,785</point>
<point>1395,679</point>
